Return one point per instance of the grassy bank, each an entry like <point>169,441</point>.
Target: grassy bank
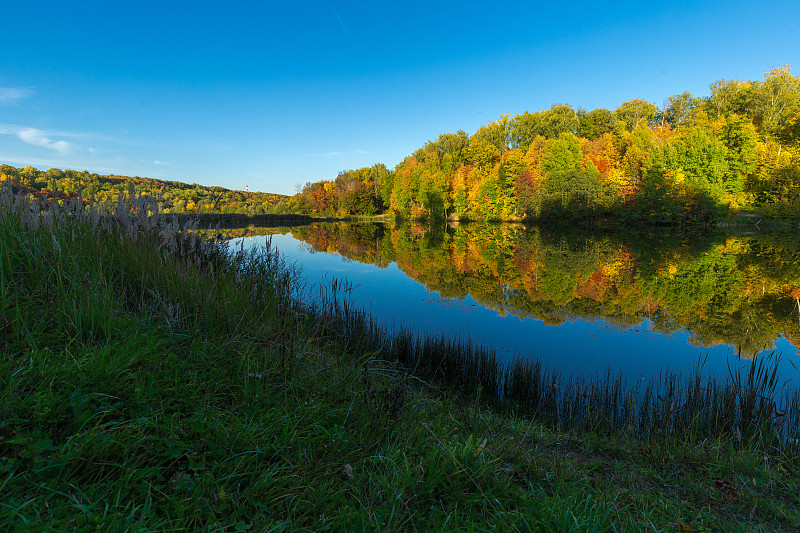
<point>152,381</point>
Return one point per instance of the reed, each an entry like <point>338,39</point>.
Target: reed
<point>154,380</point>
<point>256,293</point>
<point>750,405</point>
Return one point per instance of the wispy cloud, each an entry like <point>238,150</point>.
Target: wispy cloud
<point>52,140</point>
<point>40,138</point>
<point>43,147</point>
<point>12,95</point>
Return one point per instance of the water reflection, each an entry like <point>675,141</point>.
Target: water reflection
<point>583,302</point>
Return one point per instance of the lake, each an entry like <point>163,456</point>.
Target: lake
<point>580,302</point>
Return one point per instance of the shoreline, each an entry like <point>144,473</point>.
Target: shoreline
<point>153,384</point>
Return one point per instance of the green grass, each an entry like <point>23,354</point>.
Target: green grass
<point>150,381</point>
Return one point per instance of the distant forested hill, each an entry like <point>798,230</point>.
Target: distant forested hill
<point>174,196</point>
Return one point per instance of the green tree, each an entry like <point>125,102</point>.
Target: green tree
<point>777,99</point>
<point>360,201</point>
<point>28,176</point>
<point>775,182</point>
<point>382,183</point>
<point>637,112</point>
<point>790,132</point>
<point>595,123</point>
<point>454,146</point>
<point>679,108</point>
<point>496,133</point>
<point>559,119</point>
<point>729,97</point>
<point>741,140</point>
<point>575,195</point>
<point>634,148</point>
<point>481,153</point>
<point>524,129</point>
<point>703,158</point>
<point>562,154</point>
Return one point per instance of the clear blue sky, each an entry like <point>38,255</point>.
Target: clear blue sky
<point>271,94</point>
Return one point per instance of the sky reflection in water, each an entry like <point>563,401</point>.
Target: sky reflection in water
<point>576,346</point>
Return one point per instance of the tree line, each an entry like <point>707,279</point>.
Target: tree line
<point>689,161</point>
<point>172,196</point>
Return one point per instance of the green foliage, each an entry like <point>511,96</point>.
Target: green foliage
<point>741,139</point>
<point>562,154</point>
<point>557,120</point>
<point>637,112</point>
<point>775,182</point>
<point>108,190</point>
<point>703,159</point>
<point>777,99</point>
<point>770,103</point>
<point>481,153</point>
<point>730,97</point>
<point>736,290</point>
<point>453,145</point>
<point>687,163</point>
<point>496,134</point>
<point>594,123</point>
<point>151,381</point>
<point>360,201</point>
<point>680,109</point>
<point>550,123</point>
<point>576,195</point>
<point>635,148</point>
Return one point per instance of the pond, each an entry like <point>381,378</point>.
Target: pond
<point>583,303</point>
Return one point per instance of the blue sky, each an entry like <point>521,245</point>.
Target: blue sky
<point>272,94</point>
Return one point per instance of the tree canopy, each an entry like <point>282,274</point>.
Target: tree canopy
<point>688,161</point>
<point>173,196</point>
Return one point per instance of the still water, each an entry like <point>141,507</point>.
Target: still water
<point>582,303</point>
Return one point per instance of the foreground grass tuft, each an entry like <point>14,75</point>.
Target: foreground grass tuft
<point>152,381</point>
